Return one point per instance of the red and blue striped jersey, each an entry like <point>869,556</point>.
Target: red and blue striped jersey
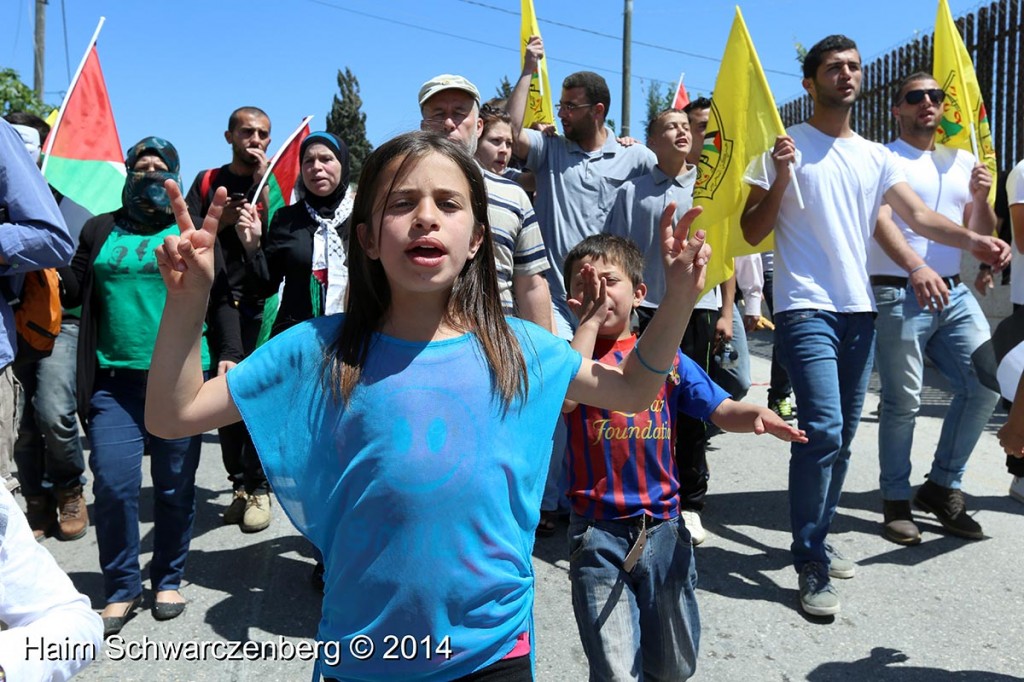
<point>623,465</point>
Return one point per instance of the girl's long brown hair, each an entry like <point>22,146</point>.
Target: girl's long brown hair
<point>474,304</point>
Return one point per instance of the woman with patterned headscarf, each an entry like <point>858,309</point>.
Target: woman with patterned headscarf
<point>306,243</point>
<point>117,282</point>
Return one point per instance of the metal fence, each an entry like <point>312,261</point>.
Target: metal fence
<point>994,39</point>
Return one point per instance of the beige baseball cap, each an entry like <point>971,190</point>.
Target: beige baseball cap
<point>447,81</point>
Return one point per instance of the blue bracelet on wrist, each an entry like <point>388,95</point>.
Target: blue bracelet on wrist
<point>636,351</point>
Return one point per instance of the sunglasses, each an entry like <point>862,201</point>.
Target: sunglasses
<point>917,96</point>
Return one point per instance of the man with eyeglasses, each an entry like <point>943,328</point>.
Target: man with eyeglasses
<point>951,182</point>
<point>450,105</point>
<point>824,305</point>
<point>577,173</point>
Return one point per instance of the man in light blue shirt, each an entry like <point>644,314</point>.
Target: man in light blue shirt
<point>33,236</point>
<point>578,173</point>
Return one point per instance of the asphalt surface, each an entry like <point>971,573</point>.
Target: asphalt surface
<point>947,609</point>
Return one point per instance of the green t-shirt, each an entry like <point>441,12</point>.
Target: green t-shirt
<point>129,299</point>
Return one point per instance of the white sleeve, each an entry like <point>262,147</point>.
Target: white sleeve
<point>750,280</point>
<point>40,606</point>
<point>1015,185</point>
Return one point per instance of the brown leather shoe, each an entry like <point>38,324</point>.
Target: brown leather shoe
<point>41,512</point>
<point>899,523</point>
<point>74,517</point>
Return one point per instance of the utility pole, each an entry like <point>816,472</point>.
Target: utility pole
<point>40,48</point>
<point>627,40</point>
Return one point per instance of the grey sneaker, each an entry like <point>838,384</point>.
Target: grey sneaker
<point>838,565</point>
<point>817,596</point>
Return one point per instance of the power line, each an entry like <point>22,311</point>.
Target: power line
<point>580,29</point>
<point>476,41</point>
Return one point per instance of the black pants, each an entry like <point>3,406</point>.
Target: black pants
<point>691,434</point>
<point>237,451</point>
<point>507,670</point>
<point>779,387</point>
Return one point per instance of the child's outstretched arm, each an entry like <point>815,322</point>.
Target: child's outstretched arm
<point>631,386</point>
<point>591,310</point>
<point>740,417</point>
<point>178,403</point>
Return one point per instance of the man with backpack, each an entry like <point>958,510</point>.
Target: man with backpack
<point>248,134</point>
<point>33,236</point>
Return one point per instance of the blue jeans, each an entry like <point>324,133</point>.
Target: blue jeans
<point>119,438</point>
<point>736,379</point>
<point>906,333</point>
<point>828,357</point>
<point>641,625</point>
<point>48,451</point>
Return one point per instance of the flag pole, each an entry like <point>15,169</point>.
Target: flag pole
<point>277,156</point>
<point>67,97</point>
<point>796,186</point>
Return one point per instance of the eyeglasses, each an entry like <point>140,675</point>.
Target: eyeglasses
<point>917,96</point>
<point>438,121</point>
<point>570,107</point>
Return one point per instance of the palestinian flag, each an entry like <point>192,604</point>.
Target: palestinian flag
<point>284,170</point>
<point>280,182</point>
<point>83,158</point>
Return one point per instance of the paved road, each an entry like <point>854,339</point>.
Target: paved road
<point>945,610</point>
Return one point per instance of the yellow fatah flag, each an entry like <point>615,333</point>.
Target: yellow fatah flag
<point>743,123</point>
<point>964,122</point>
<point>539,107</point>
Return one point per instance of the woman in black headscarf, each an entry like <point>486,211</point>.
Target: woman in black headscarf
<point>114,277</point>
<point>306,243</point>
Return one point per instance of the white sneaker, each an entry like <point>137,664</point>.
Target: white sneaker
<point>692,520</point>
<point>1017,488</point>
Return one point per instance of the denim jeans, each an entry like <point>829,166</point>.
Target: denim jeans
<point>736,379</point>
<point>118,437</point>
<point>828,357</point>
<point>906,333</point>
<point>641,625</point>
<point>48,451</point>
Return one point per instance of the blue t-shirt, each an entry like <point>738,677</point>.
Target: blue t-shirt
<point>422,493</point>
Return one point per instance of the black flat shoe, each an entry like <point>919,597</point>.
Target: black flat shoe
<point>166,610</point>
<point>113,624</point>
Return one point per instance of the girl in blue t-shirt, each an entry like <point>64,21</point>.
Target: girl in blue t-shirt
<point>409,437</point>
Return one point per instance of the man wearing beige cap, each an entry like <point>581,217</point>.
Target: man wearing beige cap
<point>450,105</point>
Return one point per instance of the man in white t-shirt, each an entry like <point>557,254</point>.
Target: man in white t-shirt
<point>951,182</point>
<point>824,308</point>
<point>1015,199</point>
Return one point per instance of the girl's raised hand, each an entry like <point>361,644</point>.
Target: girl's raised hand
<point>592,307</point>
<point>186,260</point>
<point>685,257</point>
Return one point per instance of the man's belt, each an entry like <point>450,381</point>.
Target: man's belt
<point>901,282</point>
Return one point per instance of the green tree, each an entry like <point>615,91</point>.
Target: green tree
<point>657,100</point>
<point>347,121</point>
<point>16,96</point>
<point>504,89</point>
<point>801,51</point>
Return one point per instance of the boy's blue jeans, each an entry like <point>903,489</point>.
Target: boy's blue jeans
<point>641,625</point>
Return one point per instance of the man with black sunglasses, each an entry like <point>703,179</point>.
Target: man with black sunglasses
<point>948,331</point>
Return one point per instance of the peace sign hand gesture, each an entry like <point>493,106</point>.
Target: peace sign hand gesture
<point>186,260</point>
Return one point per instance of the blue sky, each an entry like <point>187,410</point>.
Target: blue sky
<point>177,69</point>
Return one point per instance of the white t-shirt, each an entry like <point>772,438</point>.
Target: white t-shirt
<point>821,250</point>
<point>942,179</point>
<point>1015,195</point>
